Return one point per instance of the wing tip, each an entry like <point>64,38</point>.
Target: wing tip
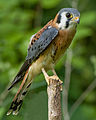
<point>13,112</point>
<point>15,107</point>
<point>15,81</point>
<point>10,87</point>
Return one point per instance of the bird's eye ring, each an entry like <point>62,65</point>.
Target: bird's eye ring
<point>68,15</point>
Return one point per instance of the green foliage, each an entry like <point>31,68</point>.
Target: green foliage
<point>19,19</point>
<point>93,59</point>
<point>49,3</point>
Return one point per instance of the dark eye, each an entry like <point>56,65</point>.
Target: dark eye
<point>68,15</point>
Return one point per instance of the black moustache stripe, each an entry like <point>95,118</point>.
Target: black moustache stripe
<point>67,24</point>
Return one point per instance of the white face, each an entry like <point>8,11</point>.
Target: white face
<point>64,19</point>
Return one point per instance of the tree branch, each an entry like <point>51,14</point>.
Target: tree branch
<point>54,96</point>
<point>82,97</point>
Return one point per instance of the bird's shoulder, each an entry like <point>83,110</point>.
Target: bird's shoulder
<point>38,34</point>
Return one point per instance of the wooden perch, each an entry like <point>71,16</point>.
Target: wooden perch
<point>54,96</point>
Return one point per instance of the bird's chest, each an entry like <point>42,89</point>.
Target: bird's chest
<point>61,43</point>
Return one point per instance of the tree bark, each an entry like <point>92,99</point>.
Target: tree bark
<point>54,97</point>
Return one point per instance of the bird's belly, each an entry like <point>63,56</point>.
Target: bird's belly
<point>44,61</point>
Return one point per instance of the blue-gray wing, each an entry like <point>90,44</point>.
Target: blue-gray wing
<point>34,51</point>
<point>42,43</point>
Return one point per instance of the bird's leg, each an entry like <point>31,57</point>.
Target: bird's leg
<point>53,70</point>
<point>45,75</point>
<point>56,76</point>
<point>52,79</point>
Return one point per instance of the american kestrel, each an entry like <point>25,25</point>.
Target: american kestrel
<point>45,49</point>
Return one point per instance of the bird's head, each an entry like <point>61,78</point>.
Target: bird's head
<point>67,18</point>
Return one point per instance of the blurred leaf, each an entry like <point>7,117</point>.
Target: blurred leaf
<point>91,97</point>
<point>88,18</point>
<point>83,32</point>
<point>7,5</point>
<point>78,62</point>
<point>93,60</point>
<point>49,3</point>
<point>31,1</point>
<point>2,110</point>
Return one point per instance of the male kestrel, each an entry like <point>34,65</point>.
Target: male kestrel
<point>45,49</point>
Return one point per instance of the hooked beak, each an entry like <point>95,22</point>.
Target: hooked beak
<point>76,20</point>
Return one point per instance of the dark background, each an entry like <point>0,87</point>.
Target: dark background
<point>19,19</point>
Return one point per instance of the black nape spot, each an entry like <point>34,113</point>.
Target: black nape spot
<point>59,18</point>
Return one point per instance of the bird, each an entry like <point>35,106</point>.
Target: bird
<point>45,49</point>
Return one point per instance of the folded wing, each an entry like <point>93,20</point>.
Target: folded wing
<point>35,50</point>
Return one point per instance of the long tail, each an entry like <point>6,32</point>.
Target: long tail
<point>18,99</point>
